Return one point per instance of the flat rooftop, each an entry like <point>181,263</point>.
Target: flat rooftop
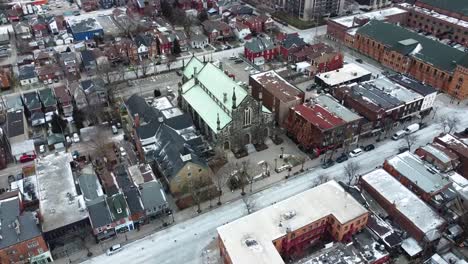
<point>348,21</point>
<point>348,73</point>
<point>377,98</point>
<point>454,144</point>
<point>421,88</point>
<point>59,203</point>
<point>413,168</point>
<point>436,150</point>
<point>277,86</point>
<point>405,201</point>
<point>263,226</point>
<point>83,25</point>
<point>318,115</point>
<point>332,105</point>
<point>432,13</point>
<point>396,90</point>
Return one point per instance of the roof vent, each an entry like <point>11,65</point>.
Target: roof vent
<point>288,215</point>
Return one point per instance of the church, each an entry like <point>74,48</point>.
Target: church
<point>225,112</point>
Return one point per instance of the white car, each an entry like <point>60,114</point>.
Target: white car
<point>248,68</point>
<point>114,130</point>
<point>76,138</point>
<point>114,249</point>
<point>42,149</point>
<point>68,139</point>
<point>356,152</point>
<point>122,152</point>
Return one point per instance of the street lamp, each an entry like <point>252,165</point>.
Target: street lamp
<point>276,164</point>
<point>282,152</point>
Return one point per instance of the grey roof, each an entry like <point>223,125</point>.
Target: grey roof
<point>413,168</point>
<point>143,39</point>
<point>421,88</point>
<point>152,195</point>
<point>99,214</point>
<point>31,100</point>
<point>137,105</point>
<point>13,102</point>
<point>47,97</point>
<point>259,44</point>
<point>371,94</point>
<point>92,85</point>
<point>87,57</point>
<point>85,25</point>
<point>15,125</point>
<point>90,187</point>
<point>27,72</point>
<point>293,39</point>
<point>16,227</point>
<point>134,201</point>
<point>332,105</point>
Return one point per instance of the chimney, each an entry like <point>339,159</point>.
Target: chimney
<point>136,120</point>
<point>160,119</point>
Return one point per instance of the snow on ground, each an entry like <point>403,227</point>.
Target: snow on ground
<point>184,242</point>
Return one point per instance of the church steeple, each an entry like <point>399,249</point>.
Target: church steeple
<point>234,98</point>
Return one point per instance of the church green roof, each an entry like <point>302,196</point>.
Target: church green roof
<point>410,43</point>
<point>191,65</point>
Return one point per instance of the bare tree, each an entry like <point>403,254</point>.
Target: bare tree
<point>443,123</point>
<point>98,141</point>
<point>410,140</point>
<point>126,25</point>
<point>194,186</point>
<point>105,72</point>
<point>434,111</point>
<point>222,177</point>
<point>135,68</point>
<point>302,160</point>
<point>145,65</point>
<point>452,124</point>
<point>351,170</point>
<point>323,178</point>
<point>250,203</point>
<point>247,174</point>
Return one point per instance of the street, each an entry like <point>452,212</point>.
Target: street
<point>195,234</point>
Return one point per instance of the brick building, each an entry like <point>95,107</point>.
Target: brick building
<point>22,240</point>
<point>459,147</point>
<point>350,73</point>
<point>289,44</point>
<point>407,52</point>
<point>277,94</point>
<point>439,156</point>
<point>337,27</point>
<point>260,49</point>
<point>411,171</point>
<point>438,24</point>
<point>322,123</point>
<point>406,209</point>
<point>291,226</point>
<point>322,58</point>
<point>455,9</point>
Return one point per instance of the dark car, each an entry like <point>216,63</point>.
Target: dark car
<point>342,158</point>
<point>239,61</point>
<point>11,178</point>
<point>359,60</point>
<point>328,164</point>
<point>402,149</point>
<point>369,147</point>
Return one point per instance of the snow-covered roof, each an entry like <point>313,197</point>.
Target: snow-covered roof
<point>401,93</point>
<point>411,246</point>
<point>348,21</point>
<point>162,103</point>
<point>439,154</point>
<point>59,203</point>
<point>406,202</point>
<point>249,239</point>
<point>348,73</point>
<point>413,168</point>
<point>432,13</point>
<point>460,184</point>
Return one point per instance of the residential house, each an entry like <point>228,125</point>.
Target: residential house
<point>22,30</point>
<point>49,72</point>
<point>106,4</point>
<point>268,23</point>
<point>70,64</point>
<point>439,156</point>
<point>407,52</point>
<point>64,39</point>
<point>86,29</point>
<point>27,75</point>
<point>90,5</point>
<point>217,30</point>
<point>165,46</point>
<point>254,23</point>
<point>95,91</point>
<point>323,123</point>
<point>235,118</point>
<point>411,213</point>
<point>153,198</point>
<point>147,6</point>
<point>128,49</point>
<point>242,31</point>
<point>276,94</point>
<point>49,103</point>
<point>64,100</point>
<point>131,193</point>
<point>39,27</point>
<point>31,102</point>
<point>147,47</point>
<point>42,58</point>
<point>182,39</point>
<point>119,212</point>
<point>21,235</point>
<point>259,50</point>
<point>57,25</point>
<point>459,147</point>
<point>289,44</point>
<point>411,171</point>
<point>322,58</point>
<point>4,80</point>
<point>423,89</point>
<point>88,60</point>
<point>198,41</point>
<point>239,10</point>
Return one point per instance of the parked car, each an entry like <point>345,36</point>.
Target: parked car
<point>238,61</point>
<point>114,130</point>
<point>412,128</point>
<point>233,57</point>
<point>42,149</point>
<point>342,157</point>
<point>27,158</point>
<point>114,249</point>
<point>122,152</point>
<point>399,134</point>
<point>402,149</point>
<point>68,140</point>
<point>369,147</point>
<point>76,138</point>
<point>355,152</point>
<point>11,178</point>
<point>328,164</point>
<point>359,60</point>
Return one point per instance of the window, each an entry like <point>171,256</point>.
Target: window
<point>247,117</point>
<point>33,244</point>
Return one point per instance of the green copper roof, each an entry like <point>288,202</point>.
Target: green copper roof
<point>456,6</point>
<point>191,65</point>
<point>117,206</point>
<point>410,43</point>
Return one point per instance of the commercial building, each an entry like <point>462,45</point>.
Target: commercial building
<point>407,52</point>
<point>62,210</point>
<point>21,238</point>
<point>85,29</point>
<point>405,208</point>
<point>411,171</point>
<point>323,123</point>
<point>277,94</point>
<point>423,89</point>
<point>288,227</point>
<point>307,10</point>
<point>439,156</point>
<point>350,73</point>
<point>337,28</point>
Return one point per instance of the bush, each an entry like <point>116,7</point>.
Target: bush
<point>295,21</point>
